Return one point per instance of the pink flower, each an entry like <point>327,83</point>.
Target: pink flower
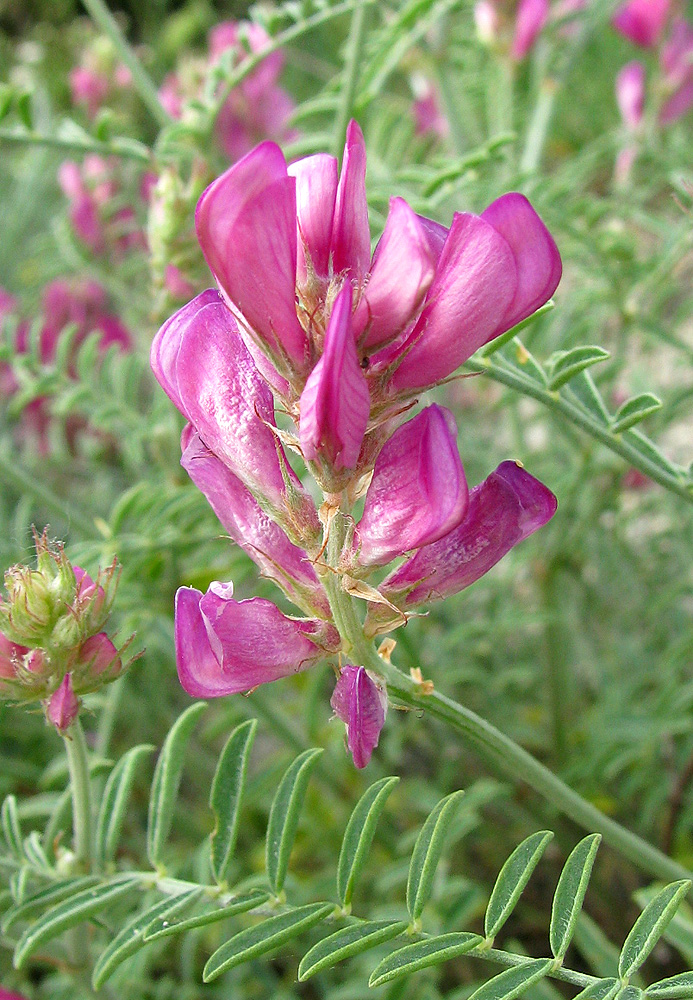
<point>494,270</point>
<point>92,190</point>
<point>418,492</point>
<point>630,93</point>
<point>6,995</point>
<point>98,656</point>
<point>676,65</point>
<point>531,18</point>
<point>88,88</point>
<point>225,646</point>
<point>642,21</point>
<point>335,403</point>
<point>503,510</point>
<point>11,657</point>
<point>429,119</point>
<point>361,703</point>
<point>205,368</point>
<point>62,708</point>
<point>251,527</point>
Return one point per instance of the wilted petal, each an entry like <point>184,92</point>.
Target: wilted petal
<point>246,225</point>
<point>475,284</point>
<point>62,707</point>
<point>418,492</point>
<point>503,510</point>
<point>351,240</point>
<point>537,260</point>
<point>225,646</point>
<point>335,403</point>
<point>250,527</point>
<point>316,191</point>
<point>362,705</point>
<point>200,360</point>
<point>531,18</point>
<point>642,21</point>
<point>630,93</point>
<point>402,271</point>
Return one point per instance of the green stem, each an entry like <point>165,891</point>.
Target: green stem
<point>539,127</point>
<point>80,785</point>
<point>101,15</point>
<point>30,484</point>
<point>351,74</point>
<point>618,443</point>
<point>127,149</point>
<point>494,745</point>
<point>557,678</point>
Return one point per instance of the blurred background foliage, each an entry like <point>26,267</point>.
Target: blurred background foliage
<point>578,645</point>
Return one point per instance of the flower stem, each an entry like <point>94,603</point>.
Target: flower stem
<point>539,127</point>
<point>494,746</point>
<point>80,785</point>
<point>351,75</point>
<point>128,149</point>
<point>101,15</point>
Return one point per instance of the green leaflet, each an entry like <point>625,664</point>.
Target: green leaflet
<point>225,796</point>
<point>512,879</point>
<point>422,955</point>
<point>164,924</point>
<point>678,987</point>
<point>650,926</point>
<point>358,836</point>
<point>55,893</point>
<point>284,816</point>
<point>114,803</point>
<point>264,937</point>
<point>427,851</point>
<point>347,942</point>
<point>131,938</point>
<point>166,781</point>
<point>72,911</point>
<point>570,893</point>
<point>513,982</point>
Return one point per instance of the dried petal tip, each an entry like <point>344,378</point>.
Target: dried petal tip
<point>361,703</point>
<point>62,707</point>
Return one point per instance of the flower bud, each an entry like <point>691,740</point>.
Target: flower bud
<point>360,702</point>
<point>62,707</point>
<point>98,656</point>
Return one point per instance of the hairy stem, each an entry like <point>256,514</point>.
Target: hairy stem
<point>101,15</point>
<point>80,785</point>
<point>128,150</point>
<point>494,746</point>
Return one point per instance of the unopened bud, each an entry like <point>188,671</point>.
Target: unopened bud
<point>62,707</point>
<point>98,655</point>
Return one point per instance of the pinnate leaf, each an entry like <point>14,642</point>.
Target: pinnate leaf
<point>347,942</point>
<point>114,803</point>
<point>427,852</point>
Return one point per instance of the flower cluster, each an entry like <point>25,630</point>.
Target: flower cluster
<point>306,322</point>
<point>517,25</point>
<point>650,24</point>
<point>257,109</point>
<point>53,646</point>
<point>76,305</point>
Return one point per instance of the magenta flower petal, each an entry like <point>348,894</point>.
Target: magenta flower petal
<point>503,510</point>
<point>351,239</point>
<point>246,225</point>
<point>642,21</point>
<point>401,273</point>
<point>201,362</point>
<point>536,255</point>
<point>362,704</point>
<point>418,492</point>
<point>250,527</point>
<point>531,18</point>
<point>677,68</point>
<point>630,93</point>
<point>474,286</point>
<point>225,646</point>
<point>335,403</point>
<point>316,191</point>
